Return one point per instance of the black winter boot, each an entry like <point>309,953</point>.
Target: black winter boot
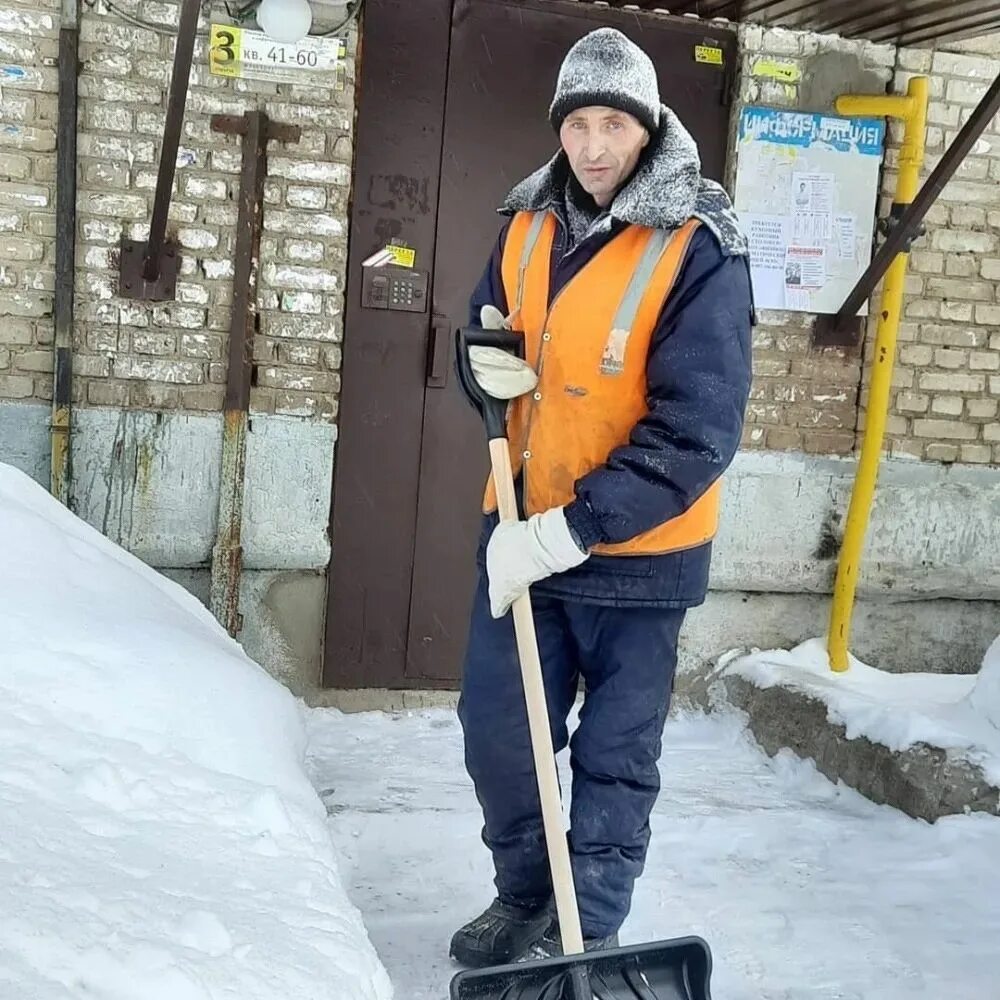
<point>549,945</point>
<point>503,934</point>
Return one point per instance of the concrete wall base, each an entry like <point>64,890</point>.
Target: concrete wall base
<point>924,782</point>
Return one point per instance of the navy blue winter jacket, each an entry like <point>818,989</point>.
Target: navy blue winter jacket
<point>698,376</point>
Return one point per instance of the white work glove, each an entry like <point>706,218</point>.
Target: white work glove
<point>521,553</point>
<point>501,374</point>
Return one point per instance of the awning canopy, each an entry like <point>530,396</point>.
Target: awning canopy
<point>904,22</point>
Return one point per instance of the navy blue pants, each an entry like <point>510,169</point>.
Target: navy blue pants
<point>626,658</point>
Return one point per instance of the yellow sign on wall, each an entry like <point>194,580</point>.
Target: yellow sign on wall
<point>251,55</point>
<point>708,54</point>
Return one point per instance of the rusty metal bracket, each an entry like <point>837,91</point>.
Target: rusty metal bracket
<point>148,269</point>
<point>227,555</point>
<point>845,328</point>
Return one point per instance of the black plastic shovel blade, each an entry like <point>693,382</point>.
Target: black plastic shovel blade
<point>680,969</point>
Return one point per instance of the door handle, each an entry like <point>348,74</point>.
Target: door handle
<point>438,352</point>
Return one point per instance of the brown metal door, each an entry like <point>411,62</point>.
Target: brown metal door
<point>502,69</point>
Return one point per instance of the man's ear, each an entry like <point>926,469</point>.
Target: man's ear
<point>645,138</point>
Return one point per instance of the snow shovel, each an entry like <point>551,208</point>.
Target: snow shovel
<point>678,969</point>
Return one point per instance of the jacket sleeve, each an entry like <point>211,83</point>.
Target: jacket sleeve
<point>490,290</point>
<point>698,381</point>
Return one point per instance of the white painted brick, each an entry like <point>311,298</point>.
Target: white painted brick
<point>982,409</point>
<point>99,231</point>
<point>302,302</point>
<point>338,119</point>
<point>198,239</point>
<point>286,276</point>
<point>110,173</point>
<point>109,118</point>
<point>227,161</point>
<point>305,197</point>
<point>942,114</point>
<point>182,211</point>
<point>310,171</point>
<point>134,313</point>
<point>14,166</point>
<point>957,312</point>
<point>99,287</point>
<point>949,406</point>
<point>978,454</point>
<point>305,251</point>
<point>965,91</point>
<point>43,280</point>
<point>975,67</point>
<point>118,206</point>
<point>205,187</point>
<point>984,361</point>
<point>113,34</point>
<point>918,355</point>
<point>25,304</point>
<point>208,103</point>
<point>153,342</point>
<point>201,345</point>
<point>917,60</point>
<point>912,402</point>
<point>216,269</point>
<point>175,372</point>
<point>951,382</point>
<point>944,429</point>
<point>103,62</point>
<point>192,294</point>
<point>15,386</point>
<point>98,258</point>
<point>36,78</point>
<point>945,357</point>
<point>221,214</point>
<point>303,223</point>
<point>102,88</point>
<point>185,317</point>
<point>987,315</point>
<point>39,140</point>
<point>116,147</point>
<point>23,196</point>
<point>300,327</point>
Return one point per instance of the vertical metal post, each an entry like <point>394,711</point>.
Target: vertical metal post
<point>227,555</point>
<point>149,270</point>
<point>65,277</point>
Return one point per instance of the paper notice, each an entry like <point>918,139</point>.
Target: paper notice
<point>805,267</point>
<point>811,227</point>
<point>766,235</point>
<point>812,193</point>
<point>846,227</point>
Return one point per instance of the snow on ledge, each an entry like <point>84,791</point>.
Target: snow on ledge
<point>159,837</point>
<point>955,712</point>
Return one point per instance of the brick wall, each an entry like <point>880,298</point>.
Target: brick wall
<point>947,383</point>
<point>167,355</point>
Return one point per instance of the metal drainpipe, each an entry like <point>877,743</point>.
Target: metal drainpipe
<point>62,389</point>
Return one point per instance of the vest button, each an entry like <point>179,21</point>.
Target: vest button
<point>526,454</point>
<point>538,395</point>
<point>546,336</point>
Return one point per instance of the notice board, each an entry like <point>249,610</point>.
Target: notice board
<point>806,193</point>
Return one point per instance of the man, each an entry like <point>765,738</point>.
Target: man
<point>628,275</point>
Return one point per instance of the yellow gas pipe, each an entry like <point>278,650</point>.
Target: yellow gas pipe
<point>912,110</point>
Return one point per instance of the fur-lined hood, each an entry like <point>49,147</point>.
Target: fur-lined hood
<point>665,191</point>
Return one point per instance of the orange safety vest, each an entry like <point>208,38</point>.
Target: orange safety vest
<point>590,350</point>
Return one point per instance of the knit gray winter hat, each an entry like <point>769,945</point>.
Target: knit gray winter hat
<point>605,69</point>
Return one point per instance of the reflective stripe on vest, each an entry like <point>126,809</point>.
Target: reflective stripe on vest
<point>590,349</point>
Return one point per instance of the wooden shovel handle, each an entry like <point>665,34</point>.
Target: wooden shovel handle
<point>538,725</point>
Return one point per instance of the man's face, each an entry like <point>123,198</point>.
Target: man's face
<point>603,146</point>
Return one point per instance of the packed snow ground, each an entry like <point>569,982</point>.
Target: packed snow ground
<point>159,839</point>
<point>956,712</point>
<point>804,890</point>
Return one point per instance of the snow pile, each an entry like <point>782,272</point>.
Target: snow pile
<point>985,696</point>
<point>158,835</point>
<point>950,711</point>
